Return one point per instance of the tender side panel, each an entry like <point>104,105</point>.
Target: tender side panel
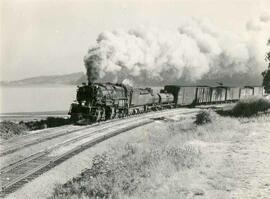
<point>141,97</point>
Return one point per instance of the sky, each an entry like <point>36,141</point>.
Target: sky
<point>48,37</point>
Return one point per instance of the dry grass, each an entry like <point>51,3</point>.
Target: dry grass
<point>49,122</point>
<point>154,166</point>
<point>11,129</point>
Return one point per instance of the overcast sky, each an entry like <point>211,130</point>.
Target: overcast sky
<point>46,37</point>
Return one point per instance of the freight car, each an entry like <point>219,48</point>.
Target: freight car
<point>233,94</point>
<point>246,91</point>
<point>182,95</point>
<point>203,95</point>
<point>103,101</point>
<point>218,94</point>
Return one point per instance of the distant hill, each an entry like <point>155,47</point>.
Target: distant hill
<point>68,79</point>
<point>80,77</point>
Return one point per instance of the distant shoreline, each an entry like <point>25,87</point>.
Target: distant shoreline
<point>28,116</point>
<point>37,85</point>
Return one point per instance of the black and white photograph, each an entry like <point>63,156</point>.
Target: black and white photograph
<point>135,99</point>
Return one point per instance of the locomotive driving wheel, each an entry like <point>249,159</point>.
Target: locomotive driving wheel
<point>97,116</point>
<point>109,113</point>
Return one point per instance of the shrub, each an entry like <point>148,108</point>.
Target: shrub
<point>9,129</point>
<point>47,123</point>
<point>203,117</point>
<point>250,106</point>
<point>113,175</point>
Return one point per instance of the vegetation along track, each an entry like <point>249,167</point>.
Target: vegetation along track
<point>16,174</point>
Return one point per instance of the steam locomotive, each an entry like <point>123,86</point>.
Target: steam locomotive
<point>103,101</point>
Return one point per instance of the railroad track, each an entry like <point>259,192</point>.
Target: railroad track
<point>15,175</point>
<point>16,146</point>
<point>33,134</point>
<point>57,134</point>
<point>47,150</point>
<point>49,135</point>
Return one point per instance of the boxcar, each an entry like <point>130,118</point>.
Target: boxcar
<point>218,94</point>
<point>203,94</point>
<point>189,95</point>
<point>258,91</point>
<point>233,94</point>
<point>183,95</point>
<point>246,92</point>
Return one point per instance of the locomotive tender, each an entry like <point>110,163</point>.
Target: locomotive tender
<point>103,101</point>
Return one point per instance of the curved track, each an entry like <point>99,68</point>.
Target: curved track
<point>16,174</point>
<point>45,135</point>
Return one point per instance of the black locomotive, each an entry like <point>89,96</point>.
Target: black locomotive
<point>103,101</point>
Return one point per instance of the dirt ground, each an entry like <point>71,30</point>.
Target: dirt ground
<point>239,167</point>
<point>233,165</point>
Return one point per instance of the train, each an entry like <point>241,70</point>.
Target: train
<point>103,101</point>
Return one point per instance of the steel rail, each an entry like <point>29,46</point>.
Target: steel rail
<point>37,141</point>
<point>57,160</point>
<point>140,121</point>
<point>66,132</point>
<point>46,151</point>
<point>49,137</point>
<point>36,133</point>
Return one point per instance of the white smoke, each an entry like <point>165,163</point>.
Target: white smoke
<point>128,82</point>
<point>258,34</point>
<point>193,50</point>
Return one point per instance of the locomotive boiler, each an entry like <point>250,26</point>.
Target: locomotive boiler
<point>97,101</point>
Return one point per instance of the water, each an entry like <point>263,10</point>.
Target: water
<point>30,101</point>
<point>36,99</point>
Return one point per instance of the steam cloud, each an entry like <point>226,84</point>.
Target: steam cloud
<point>192,51</point>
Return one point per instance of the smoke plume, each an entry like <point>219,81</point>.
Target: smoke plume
<point>128,82</point>
<point>194,50</point>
